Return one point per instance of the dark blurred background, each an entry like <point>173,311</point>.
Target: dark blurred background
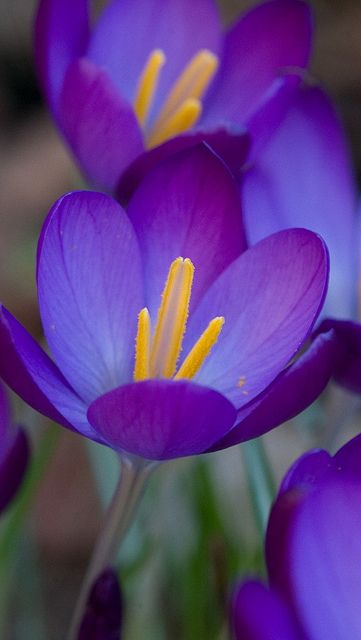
<point>35,169</point>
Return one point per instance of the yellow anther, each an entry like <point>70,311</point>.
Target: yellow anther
<point>172,319</point>
<point>192,83</point>
<point>181,120</point>
<point>142,347</point>
<point>201,349</point>
<point>147,85</point>
<point>242,381</point>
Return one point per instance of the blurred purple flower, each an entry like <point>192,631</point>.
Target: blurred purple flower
<point>303,177</point>
<point>155,76</point>
<point>313,550</point>
<point>14,453</point>
<point>179,390</point>
<point>104,611</point>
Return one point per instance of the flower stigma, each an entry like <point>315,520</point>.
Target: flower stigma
<point>182,107</point>
<point>156,356</point>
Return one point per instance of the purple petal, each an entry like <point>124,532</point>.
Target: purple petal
<point>308,471</point>
<point>61,34</point>
<point>269,38</point>
<point>270,297</point>
<point>293,391</point>
<point>348,370</point>
<point>13,463</point>
<point>128,31</point>
<point>103,615</point>
<point>90,291</point>
<point>260,614</point>
<point>27,369</point>
<point>324,557</point>
<point>99,124</point>
<point>347,459</point>
<point>231,144</point>
<point>162,419</point>
<point>5,419</point>
<point>310,187</point>
<point>188,206</point>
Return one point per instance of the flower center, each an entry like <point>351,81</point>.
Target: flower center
<point>157,356</point>
<point>182,107</point>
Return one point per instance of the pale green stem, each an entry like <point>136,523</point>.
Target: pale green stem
<point>118,518</point>
<point>260,481</point>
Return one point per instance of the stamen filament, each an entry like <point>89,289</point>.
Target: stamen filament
<point>147,85</point>
<point>172,319</point>
<point>182,120</point>
<point>201,349</point>
<point>192,83</point>
<point>142,347</point>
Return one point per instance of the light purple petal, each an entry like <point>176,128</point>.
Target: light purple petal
<point>99,124</point>
<point>270,297</point>
<point>162,419</point>
<point>27,369</point>
<point>128,31</point>
<point>90,291</point>
<point>260,614</point>
<point>13,464</point>
<point>291,393</point>
<point>303,178</point>
<point>61,34</point>
<point>230,143</point>
<point>324,557</point>
<point>270,38</point>
<point>189,206</point>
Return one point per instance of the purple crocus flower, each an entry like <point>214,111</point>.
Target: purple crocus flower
<point>154,76</point>
<point>313,550</point>
<point>303,177</point>
<point>167,334</point>
<point>103,615</point>
<point>14,453</point>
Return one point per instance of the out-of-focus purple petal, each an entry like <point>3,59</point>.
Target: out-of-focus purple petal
<point>324,557</point>
<point>13,463</point>
<point>61,34</point>
<point>270,297</point>
<point>27,369</point>
<point>162,419</point>
<point>269,38</point>
<point>347,459</point>
<point>90,291</point>
<point>261,614</point>
<point>4,413</point>
<point>104,612</point>
<point>99,124</point>
<point>303,178</point>
<point>230,143</point>
<point>348,370</point>
<point>128,31</point>
<point>308,471</point>
<point>189,206</point>
<point>293,391</point>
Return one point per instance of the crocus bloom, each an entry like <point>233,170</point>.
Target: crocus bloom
<point>103,615</point>
<point>303,177</point>
<point>154,76</point>
<point>14,453</point>
<point>145,360</point>
<point>313,550</point>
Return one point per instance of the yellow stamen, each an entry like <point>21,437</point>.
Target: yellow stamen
<point>181,120</point>
<point>147,84</point>
<point>192,83</point>
<point>201,349</point>
<point>142,347</point>
<point>172,319</point>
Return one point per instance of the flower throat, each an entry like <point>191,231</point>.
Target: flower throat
<point>156,356</point>
<point>182,107</point>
